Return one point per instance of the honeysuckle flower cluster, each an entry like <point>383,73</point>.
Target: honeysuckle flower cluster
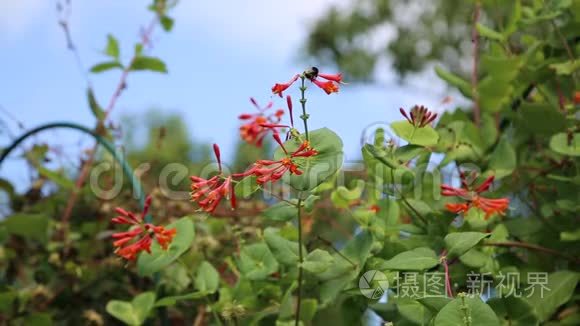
<point>272,171</point>
<point>208,193</point>
<point>472,196</point>
<point>140,237</point>
<point>257,125</point>
<point>329,85</point>
<point>419,116</point>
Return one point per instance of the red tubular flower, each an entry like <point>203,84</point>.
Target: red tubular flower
<point>420,116</point>
<point>289,104</point>
<point>279,88</point>
<point>329,86</point>
<point>337,78</point>
<point>254,131</point>
<point>471,195</point>
<point>130,243</point>
<point>576,99</point>
<point>209,192</point>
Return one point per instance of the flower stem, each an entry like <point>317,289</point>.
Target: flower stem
<point>443,260</point>
<point>300,258</point>
<point>304,115</point>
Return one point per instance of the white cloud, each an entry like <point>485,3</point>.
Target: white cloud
<point>16,16</point>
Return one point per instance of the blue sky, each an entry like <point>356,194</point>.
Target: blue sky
<point>219,54</point>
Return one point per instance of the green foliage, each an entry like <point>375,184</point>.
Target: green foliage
<point>257,262</point>
<point>459,243</point>
<point>282,211</point>
<point>134,312</point>
<point>425,136</point>
<point>413,260</point>
<point>148,63</point>
<point>30,226</point>
<point>466,311</point>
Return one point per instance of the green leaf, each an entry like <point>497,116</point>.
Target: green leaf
<point>284,250</point>
<point>148,63</point>
<point>561,287</point>
<point>308,309</point>
<point>104,66</point>
<point>112,48</point>
<point>559,144</point>
<point>56,177</point>
<point>256,262</point>
<point>246,187</point>
<point>488,131</point>
<point>343,197</point>
<point>167,23</point>
<point>172,300</point>
<point>148,264</point>
<point>424,136</point>
<point>309,202</point>
<point>474,258</point>
<point>7,187</point>
<point>514,311</point>
<point>286,304</point>
<point>7,301</point>
<point>496,89</point>
<point>435,304</point>
<point>207,279</point>
<point>455,311</point>
<point>315,169</point>
<point>570,235</point>
<point>282,211</point>
<point>29,226</point>
<point>462,85</point>
<point>342,272</point>
<point>459,243</point>
<point>375,153</point>
<point>489,33</point>
<point>413,260</point>
<point>503,159</point>
<point>36,319</point>
<point>134,312</point>
<point>566,68</point>
<point>414,312</point>
<point>317,261</point>
<point>541,118</point>
<point>516,15</point>
<point>97,110</point>
<point>409,152</point>
<point>142,305</point>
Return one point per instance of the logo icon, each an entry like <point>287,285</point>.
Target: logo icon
<point>373,284</point>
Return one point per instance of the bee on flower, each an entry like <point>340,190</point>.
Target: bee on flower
<point>472,196</point>
<point>329,85</point>
<point>139,238</point>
